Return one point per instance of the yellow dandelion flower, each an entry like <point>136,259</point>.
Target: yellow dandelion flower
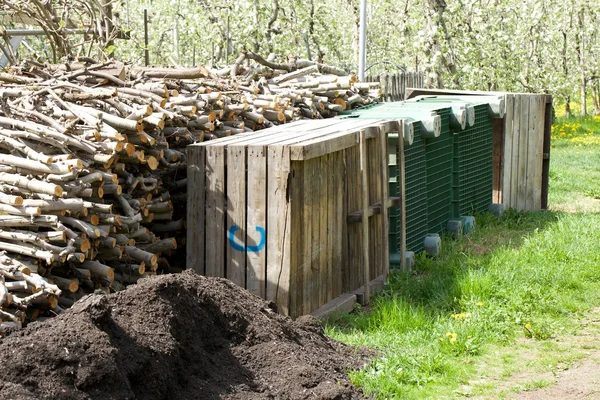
<point>452,339</point>
<point>528,326</point>
<point>480,303</point>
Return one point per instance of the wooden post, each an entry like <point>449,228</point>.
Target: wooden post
<point>546,149</point>
<point>402,201</point>
<point>385,198</point>
<point>365,213</point>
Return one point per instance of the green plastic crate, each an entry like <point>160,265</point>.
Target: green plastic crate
<point>473,158</point>
<point>439,155</point>
<point>415,187</point>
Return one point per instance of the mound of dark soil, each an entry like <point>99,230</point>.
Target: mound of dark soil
<point>179,336</point>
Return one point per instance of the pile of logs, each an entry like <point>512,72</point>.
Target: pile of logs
<point>92,166</point>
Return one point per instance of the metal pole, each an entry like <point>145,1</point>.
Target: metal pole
<point>146,51</point>
<point>362,40</point>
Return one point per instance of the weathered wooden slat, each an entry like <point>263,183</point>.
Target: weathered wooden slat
<point>298,239</point>
<point>374,193</point>
<point>383,156</point>
<point>320,273</point>
<point>498,149</point>
<point>195,221</point>
<point>330,234</point>
<point>337,141</point>
<point>365,207</point>
<point>523,143</point>
<point>308,210</point>
<point>215,211</point>
<point>537,158</point>
<point>341,304</point>
<point>278,227</point>
<point>353,265</point>
<point>256,221</point>
<point>508,150</point>
<point>235,261</point>
<point>514,177</point>
<point>546,152</point>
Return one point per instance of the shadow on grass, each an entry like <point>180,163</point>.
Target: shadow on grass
<point>432,287</point>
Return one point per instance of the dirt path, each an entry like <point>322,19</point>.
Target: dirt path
<point>582,379</point>
<point>579,382</point>
<point>565,367</point>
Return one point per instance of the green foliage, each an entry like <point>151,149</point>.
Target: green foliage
<point>433,325</point>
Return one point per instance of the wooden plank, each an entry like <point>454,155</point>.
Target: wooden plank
<point>339,234</point>
<point>280,133</point>
<point>365,207</point>
<point>341,304</point>
<point>297,239</point>
<point>195,212</point>
<point>235,246</point>
<point>352,262</point>
<point>374,285</point>
<point>334,142</point>
<point>538,158</point>
<point>374,209</point>
<point>523,143</point>
<point>256,214</point>
<point>508,151</point>
<point>331,241</point>
<point>316,246</point>
<point>263,133</point>
<point>514,177</point>
<point>385,195</point>
<point>532,148</point>
<point>278,226</point>
<point>308,208</point>
<point>402,195</point>
<point>323,225</point>
<point>376,239</point>
<point>498,147</point>
<point>546,151</point>
<point>215,211</point>
<point>413,92</point>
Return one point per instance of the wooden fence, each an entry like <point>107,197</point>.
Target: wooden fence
<point>394,85</point>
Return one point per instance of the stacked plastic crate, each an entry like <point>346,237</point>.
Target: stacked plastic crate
<point>473,155</point>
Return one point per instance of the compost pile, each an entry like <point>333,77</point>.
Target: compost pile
<point>93,186</point>
<point>177,336</point>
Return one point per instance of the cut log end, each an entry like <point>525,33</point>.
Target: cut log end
<point>152,163</point>
<point>73,286</point>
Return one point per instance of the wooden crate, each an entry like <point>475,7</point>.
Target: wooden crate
<point>280,211</point>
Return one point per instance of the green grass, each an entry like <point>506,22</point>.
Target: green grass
<point>575,165</point>
<point>509,289</point>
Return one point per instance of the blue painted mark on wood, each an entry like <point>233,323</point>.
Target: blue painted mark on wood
<point>251,248</point>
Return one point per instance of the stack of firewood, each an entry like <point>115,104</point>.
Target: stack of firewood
<point>92,167</point>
